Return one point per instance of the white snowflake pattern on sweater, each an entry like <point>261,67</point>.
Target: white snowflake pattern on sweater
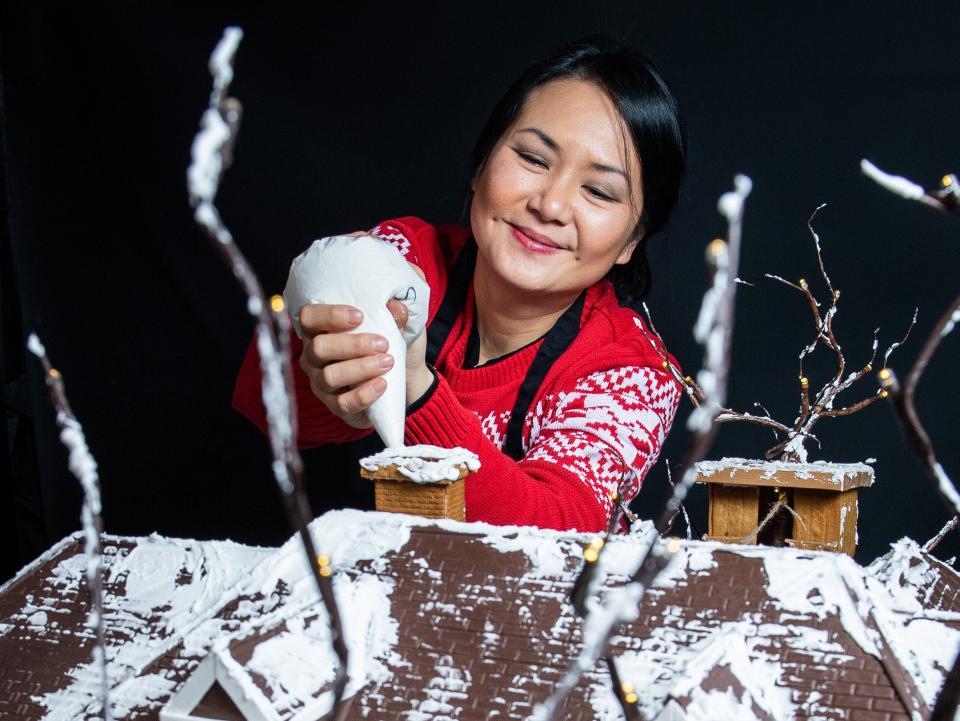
<point>396,238</point>
<point>608,429</point>
<point>494,426</point>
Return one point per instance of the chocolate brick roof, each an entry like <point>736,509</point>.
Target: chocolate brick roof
<point>465,621</point>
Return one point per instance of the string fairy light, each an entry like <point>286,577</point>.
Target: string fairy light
<point>84,467</point>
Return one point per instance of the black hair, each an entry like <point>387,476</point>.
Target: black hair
<point>652,118</point>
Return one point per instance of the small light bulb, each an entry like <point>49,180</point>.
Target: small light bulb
<point>688,379</point>
<point>867,368</point>
<point>627,687</point>
<point>323,560</point>
<point>54,373</point>
<point>630,698</point>
<point>277,304</point>
<point>883,394</point>
<point>717,247</point>
<point>614,496</point>
<point>596,542</point>
<point>804,382</point>
<point>665,365</point>
<point>803,283</point>
<point>326,571</point>
<point>947,181</point>
<point>884,374</point>
<point>836,294</point>
<point>673,545</point>
<point>591,555</point>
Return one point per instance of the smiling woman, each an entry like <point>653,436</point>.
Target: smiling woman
<point>533,358</point>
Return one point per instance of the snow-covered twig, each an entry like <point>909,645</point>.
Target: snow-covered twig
<point>713,330</point>
<point>916,436</point>
<point>946,199</point>
<point>212,153</point>
<point>947,527</point>
<point>84,467</point>
<point>692,390</point>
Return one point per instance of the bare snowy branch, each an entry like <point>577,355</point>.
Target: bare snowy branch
<point>84,468</point>
<point>211,155</point>
<point>930,545</point>
<point>713,330</point>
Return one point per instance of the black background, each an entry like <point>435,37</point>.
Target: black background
<point>354,113</point>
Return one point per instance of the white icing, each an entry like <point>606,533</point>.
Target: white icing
<point>838,471</point>
<point>365,272</point>
<point>424,463</point>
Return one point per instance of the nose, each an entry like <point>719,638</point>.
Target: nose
<point>551,201</point>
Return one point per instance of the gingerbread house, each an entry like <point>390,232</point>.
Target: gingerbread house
<point>470,621</point>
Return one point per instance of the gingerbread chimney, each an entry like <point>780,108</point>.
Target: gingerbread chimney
<point>804,505</point>
<point>421,480</point>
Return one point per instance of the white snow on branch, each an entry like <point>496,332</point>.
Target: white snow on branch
<point>954,319</point>
<point>894,183</point>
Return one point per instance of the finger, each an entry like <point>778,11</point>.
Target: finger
<point>398,309</point>
<point>336,376</point>
<point>361,397</point>
<point>331,347</point>
<point>322,318</point>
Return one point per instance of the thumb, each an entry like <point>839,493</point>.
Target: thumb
<point>398,310</point>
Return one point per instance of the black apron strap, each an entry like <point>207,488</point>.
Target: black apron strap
<point>558,339</point>
<point>458,283</point>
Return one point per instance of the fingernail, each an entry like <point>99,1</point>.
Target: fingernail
<point>385,361</point>
<point>354,316</point>
<point>380,344</point>
<point>379,385</point>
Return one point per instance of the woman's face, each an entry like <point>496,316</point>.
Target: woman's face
<point>552,210</point>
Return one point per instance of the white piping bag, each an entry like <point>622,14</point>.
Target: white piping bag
<point>365,272</point>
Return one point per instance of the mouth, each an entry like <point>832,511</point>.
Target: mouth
<point>533,241</point>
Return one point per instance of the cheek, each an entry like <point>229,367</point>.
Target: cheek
<point>504,183</point>
<point>608,230</point>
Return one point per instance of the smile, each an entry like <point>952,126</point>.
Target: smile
<point>534,242</point>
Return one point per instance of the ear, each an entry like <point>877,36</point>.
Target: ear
<point>627,252</point>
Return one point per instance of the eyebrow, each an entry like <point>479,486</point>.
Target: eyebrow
<point>552,144</point>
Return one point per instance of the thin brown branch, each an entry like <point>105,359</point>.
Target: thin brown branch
<point>730,416</point>
<point>693,391</point>
<point>834,412</point>
<point>894,346</point>
<point>211,156</point>
<point>625,693</point>
<point>713,330</point>
<point>930,545</point>
<point>84,468</point>
<point>943,327</point>
<point>816,241</point>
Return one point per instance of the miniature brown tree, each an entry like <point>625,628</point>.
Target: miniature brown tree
<point>815,406</point>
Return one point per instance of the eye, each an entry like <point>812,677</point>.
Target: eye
<point>598,193</point>
<point>531,158</point>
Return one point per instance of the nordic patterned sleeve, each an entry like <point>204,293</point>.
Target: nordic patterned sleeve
<point>607,430</point>
<point>579,445</point>
<point>398,237</point>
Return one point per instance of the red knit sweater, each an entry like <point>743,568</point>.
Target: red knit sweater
<point>599,417</point>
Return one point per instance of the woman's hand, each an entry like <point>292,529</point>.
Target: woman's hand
<point>344,368</point>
